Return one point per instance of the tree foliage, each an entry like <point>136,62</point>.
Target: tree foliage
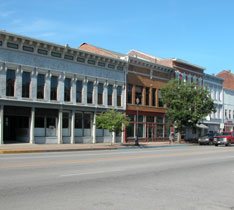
<point>112,120</point>
<point>186,103</point>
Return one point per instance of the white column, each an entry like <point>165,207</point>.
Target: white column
<point>114,94</point>
<point>47,86</point>
<point>61,88</point>
<point>73,127</point>
<point>32,125</point>
<point>73,90</point>
<point>18,83</point>
<point>60,127</point>
<point>94,128</point>
<point>84,93</point>
<point>1,123</point>
<point>105,94</point>
<point>95,91</point>
<point>33,85</point>
<point>3,80</point>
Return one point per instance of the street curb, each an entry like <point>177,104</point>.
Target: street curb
<point>85,149</point>
<point>19,151</point>
<point>145,147</point>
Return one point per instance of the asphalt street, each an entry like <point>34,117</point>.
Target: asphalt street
<point>183,178</point>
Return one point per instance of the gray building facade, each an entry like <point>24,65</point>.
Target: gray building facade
<point>50,93</point>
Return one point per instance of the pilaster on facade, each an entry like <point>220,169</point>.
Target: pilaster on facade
<point>1,123</point>
<point>18,93</point>
<point>60,127</point>
<point>32,126</point>
<point>3,80</point>
<point>47,86</point>
<point>105,94</point>
<point>73,89</point>
<point>33,92</point>
<point>73,127</point>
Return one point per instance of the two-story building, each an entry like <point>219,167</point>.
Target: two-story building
<point>50,93</point>
<point>145,78</point>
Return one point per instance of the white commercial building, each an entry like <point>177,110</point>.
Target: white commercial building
<point>50,93</point>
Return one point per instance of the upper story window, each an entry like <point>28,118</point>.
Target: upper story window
<point>53,87</point>
<point>57,55</point>
<point>111,66</point>
<point>10,82</point>
<point>100,93</point>
<point>101,64</point>
<point>225,113</point>
<point>40,86</point>
<point>119,95</point>
<point>230,114</point>
<point>0,43</point>
<point>138,94</point>
<point>28,49</point>
<point>68,57</point>
<point>160,103</point>
<point>92,62</point>
<point>26,79</point>
<point>120,68</point>
<point>154,96</point>
<point>67,89</point>
<point>90,92</point>
<point>81,60</point>
<point>43,52</point>
<point>147,96</point>
<point>79,88</point>
<point>110,92</point>
<point>12,45</point>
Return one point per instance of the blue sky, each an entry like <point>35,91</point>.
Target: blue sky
<point>200,32</point>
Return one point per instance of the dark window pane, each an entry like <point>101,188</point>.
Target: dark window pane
<point>12,45</point>
<point>159,119</point>
<point>26,78</point>
<point>111,66</point>
<point>65,120</point>
<point>110,91</point>
<point>43,52</point>
<point>150,119</point>
<point>40,86</point>
<point>160,103</point>
<point>90,92</point>
<point>153,97</point>
<point>100,93</point>
<point>147,96</point>
<point>67,89</point>
<point>131,117</point>
<point>10,82</point>
<point>120,68</point>
<point>119,94</point>
<point>39,122</point>
<point>78,120</point>
<point>53,88</point>
<point>87,121</point>
<point>92,62</point>
<point>130,130</point>
<point>68,57</point>
<point>101,64</point>
<point>81,60</point>
<point>50,122</point>
<point>130,94</point>
<point>55,54</point>
<point>29,49</point>
<point>79,87</point>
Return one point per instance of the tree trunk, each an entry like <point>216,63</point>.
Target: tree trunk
<point>179,136</point>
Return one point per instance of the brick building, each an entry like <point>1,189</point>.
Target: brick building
<point>144,80</point>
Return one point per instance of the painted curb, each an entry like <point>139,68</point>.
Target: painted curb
<point>18,151</point>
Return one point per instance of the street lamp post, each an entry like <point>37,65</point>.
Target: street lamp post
<point>136,140</point>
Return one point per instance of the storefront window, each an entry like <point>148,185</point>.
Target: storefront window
<point>130,130</point>
<point>78,120</point>
<point>150,119</point>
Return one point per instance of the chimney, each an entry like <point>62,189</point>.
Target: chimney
<point>229,71</point>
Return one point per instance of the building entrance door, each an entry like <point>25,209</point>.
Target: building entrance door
<point>151,134</point>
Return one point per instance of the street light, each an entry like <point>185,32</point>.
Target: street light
<point>136,141</point>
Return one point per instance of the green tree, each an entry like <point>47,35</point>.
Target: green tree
<point>186,103</point>
<point>112,121</point>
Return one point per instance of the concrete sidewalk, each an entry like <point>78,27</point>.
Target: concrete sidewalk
<point>31,148</point>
